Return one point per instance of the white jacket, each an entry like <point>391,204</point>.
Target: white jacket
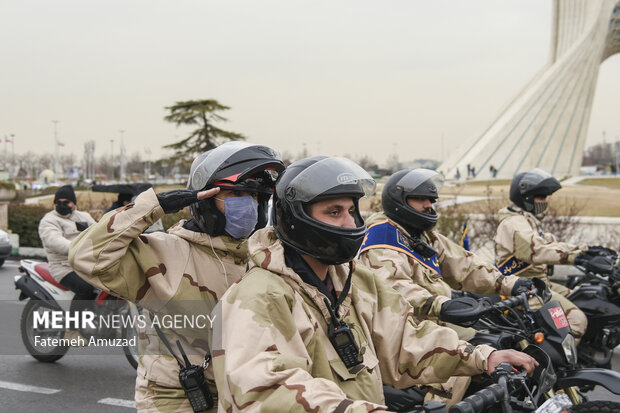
<point>56,233</point>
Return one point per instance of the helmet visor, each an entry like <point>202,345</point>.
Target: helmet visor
<point>416,177</point>
<point>206,164</point>
<point>262,184</point>
<point>533,178</point>
<point>328,176</point>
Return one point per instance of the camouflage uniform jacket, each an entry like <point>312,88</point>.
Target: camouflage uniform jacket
<point>174,272</point>
<point>519,234</point>
<point>272,352</point>
<point>423,287</point>
<point>56,232</point>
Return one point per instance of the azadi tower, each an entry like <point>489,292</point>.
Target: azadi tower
<point>545,125</point>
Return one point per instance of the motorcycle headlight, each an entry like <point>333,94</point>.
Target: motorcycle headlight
<point>570,348</point>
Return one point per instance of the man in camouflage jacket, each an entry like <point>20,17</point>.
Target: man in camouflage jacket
<point>426,282</point>
<point>271,345</point>
<point>424,277</point>
<point>184,271</point>
<point>521,246</point>
<point>427,287</point>
<point>520,236</point>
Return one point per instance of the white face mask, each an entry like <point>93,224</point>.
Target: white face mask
<point>241,214</point>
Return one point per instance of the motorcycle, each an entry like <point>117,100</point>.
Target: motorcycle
<point>595,292</point>
<point>507,390</point>
<point>46,314</point>
<point>512,323</point>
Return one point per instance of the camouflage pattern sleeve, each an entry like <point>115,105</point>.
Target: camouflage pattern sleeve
<point>114,256</point>
<point>411,353</point>
<point>261,343</point>
<point>464,270</point>
<point>397,270</point>
<point>530,246</point>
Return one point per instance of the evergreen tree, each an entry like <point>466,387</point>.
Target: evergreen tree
<point>204,114</point>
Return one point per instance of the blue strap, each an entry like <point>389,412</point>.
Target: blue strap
<point>386,235</point>
<point>513,266</point>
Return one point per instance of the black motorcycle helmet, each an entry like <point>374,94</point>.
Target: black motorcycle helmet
<point>419,183</point>
<point>315,179</point>
<point>237,166</point>
<point>527,185</point>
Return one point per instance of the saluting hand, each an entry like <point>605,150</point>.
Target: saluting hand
<point>176,200</point>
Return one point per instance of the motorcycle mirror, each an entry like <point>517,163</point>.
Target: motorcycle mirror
<point>464,311</point>
<point>543,290</point>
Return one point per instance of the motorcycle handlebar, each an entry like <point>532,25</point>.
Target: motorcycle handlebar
<point>513,301</point>
<point>480,401</point>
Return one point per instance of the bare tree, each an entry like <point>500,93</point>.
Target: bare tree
<point>135,164</point>
<point>367,163</point>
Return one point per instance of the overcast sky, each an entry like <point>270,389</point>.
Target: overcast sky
<point>344,77</point>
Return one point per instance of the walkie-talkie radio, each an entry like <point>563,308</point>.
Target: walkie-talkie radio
<point>421,247</point>
<point>342,339</point>
<point>194,384</point>
<point>192,378</point>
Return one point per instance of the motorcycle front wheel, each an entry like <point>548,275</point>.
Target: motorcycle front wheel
<point>130,332</point>
<point>34,339</point>
<point>131,352</point>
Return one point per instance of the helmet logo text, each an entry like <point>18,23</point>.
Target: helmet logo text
<point>346,178</point>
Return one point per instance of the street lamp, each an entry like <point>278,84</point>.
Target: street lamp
<point>112,157</point>
<point>7,139</point>
<point>617,151</point>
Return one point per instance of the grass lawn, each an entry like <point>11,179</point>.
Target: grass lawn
<point>592,197</point>
<point>612,183</point>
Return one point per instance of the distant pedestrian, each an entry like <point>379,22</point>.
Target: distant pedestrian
<point>468,170</point>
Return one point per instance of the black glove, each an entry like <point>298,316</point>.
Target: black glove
<point>522,285</point>
<point>596,250</point>
<point>176,200</point>
<point>600,265</point>
<point>581,259</point>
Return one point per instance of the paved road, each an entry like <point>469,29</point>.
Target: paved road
<point>80,381</point>
<point>75,383</point>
